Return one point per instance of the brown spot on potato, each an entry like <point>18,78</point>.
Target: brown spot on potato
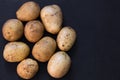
<point>8,32</point>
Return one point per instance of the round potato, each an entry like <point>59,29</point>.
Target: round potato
<point>15,51</point>
<point>51,16</point>
<point>59,64</point>
<point>66,38</point>
<point>27,68</point>
<point>44,49</point>
<point>33,30</point>
<point>12,29</point>
<point>28,11</point>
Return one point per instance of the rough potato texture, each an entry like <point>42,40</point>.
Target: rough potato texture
<point>59,64</point>
<point>28,11</point>
<point>12,29</point>
<point>66,38</point>
<point>51,16</point>
<point>44,49</point>
<point>34,30</point>
<point>15,51</point>
<point>27,68</point>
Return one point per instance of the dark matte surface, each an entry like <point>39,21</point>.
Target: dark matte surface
<point>96,53</point>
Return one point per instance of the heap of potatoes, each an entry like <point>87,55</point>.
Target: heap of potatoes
<point>45,46</point>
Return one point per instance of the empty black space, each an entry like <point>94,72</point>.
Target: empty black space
<point>96,52</point>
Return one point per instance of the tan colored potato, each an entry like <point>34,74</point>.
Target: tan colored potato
<point>27,68</point>
<point>51,16</point>
<point>44,49</point>
<point>33,30</point>
<point>15,51</point>
<point>66,38</point>
<point>28,11</point>
<point>12,29</point>
<point>59,64</point>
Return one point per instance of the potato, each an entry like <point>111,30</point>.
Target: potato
<point>66,38</point>
<point>51,16</point>
<point>33,30</point>
<point>12,29</point>
<point>59,64</point>
<point>15,51</point>
<point>44,49</point>
<point>27,68</point>
<point>28,11</point>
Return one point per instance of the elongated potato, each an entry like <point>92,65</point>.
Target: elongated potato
<point>33,30</point>
<point>51,16</point>
<point>15,51</point>
<point>28,11</point>
<point>12,29</point>
<point>59,64</point>
<point>66,38</point>
<point>44,49</point>
<point>27,68</point>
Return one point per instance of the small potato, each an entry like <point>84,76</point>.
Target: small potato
<point>15,51</point>
<point>59,64</point>
<point>51,16</point>
<point>33,30</point>
<point>44,49</point>
<point>27,68</point>
<point>12,29</point>
<point>28,11</point>
<point>66,38</point>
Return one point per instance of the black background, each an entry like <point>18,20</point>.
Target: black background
<point>96,52</point>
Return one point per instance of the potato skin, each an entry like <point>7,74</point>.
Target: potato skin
<point>12,29</point>
<point>15,51</point>
<point>28,11</point>
<point>66,38</point>
<point>59,64</point>
<point>44,49</point>
<point>27,68</point>
<point>51,16</point>
<point>33,30</point>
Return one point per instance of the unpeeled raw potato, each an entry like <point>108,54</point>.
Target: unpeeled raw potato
<point>15,51</point>
<point>44,49</point>
<point>59,64</point>
<point>12,29</point>
<point>51,16</point>
<point>66,38</point>
<point>28,11</point>
<point>27,68</point>
<point>33,30</point>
